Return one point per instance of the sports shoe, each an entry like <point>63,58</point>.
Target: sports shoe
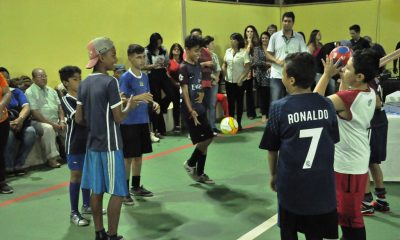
<point>177,129</point>
<point>88,210</point>
<point>203,178</point>
<point>153,138</point>
<point>115,238</point>
<point>191,171</point>
<point>19,172</point>
<point>381,206</point>
<point>367,209</point>
<point>141,192</point>
<point>53,162</point>
<point>5,189</point>
<point>78,220</point>
<point>160,135</point>
<point>128,201</point>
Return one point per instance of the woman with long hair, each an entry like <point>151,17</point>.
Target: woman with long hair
<point>236,67</point>
<point>156,67</point>
<point>175,59</point>
<point>251,40</point>
<point>262,71</point>
<point>314,43</point>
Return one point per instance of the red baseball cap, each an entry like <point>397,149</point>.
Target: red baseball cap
<point>96,47</point>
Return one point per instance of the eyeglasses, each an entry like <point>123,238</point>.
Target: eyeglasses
<point>41,76</point>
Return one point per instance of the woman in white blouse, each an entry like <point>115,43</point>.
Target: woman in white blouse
<point>236,66</point>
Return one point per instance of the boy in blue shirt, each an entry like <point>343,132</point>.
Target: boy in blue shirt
<point>75,143</point>
<point>194,112</point>
<point>99,107</point>
<point>135,128</point>
<point>303,128</point>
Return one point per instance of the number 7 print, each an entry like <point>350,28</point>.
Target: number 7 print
<point>315,134</point>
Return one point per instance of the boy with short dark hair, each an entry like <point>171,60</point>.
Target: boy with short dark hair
<point>135,128</point>
<point>99,106</point>
<point>75,143</point>
<point>355,105</point>
<point>302,126</point>
<point>193,110</point>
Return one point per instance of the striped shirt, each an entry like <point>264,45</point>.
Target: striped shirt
<point>76,136</point>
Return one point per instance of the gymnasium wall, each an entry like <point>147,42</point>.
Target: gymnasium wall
<point>51,34</point>
<point>389,25</point>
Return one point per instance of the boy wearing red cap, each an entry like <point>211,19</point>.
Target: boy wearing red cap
<point>99,107</point>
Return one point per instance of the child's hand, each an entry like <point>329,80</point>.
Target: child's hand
<point>331,68</point>
<point>200,96</point>
<point>272,183</point>
<point>132,103</point>
<point>144,97</point>
<point>156,107</point>
<point>123,98</point>
<point>194,115</point>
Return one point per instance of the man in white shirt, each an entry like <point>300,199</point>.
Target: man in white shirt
<point>281,44</point>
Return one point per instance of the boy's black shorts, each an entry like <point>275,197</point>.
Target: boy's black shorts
<point>378,137</point>
<point>378,144</point>
<point>200,132</point>
<point>136,140</point>
<point>317,226</point>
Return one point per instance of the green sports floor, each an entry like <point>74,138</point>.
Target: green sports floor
<point>181,209</point>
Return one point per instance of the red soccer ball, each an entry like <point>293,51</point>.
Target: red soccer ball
<point>343,53</point>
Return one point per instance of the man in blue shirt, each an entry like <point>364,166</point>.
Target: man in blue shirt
<point>20,129</point>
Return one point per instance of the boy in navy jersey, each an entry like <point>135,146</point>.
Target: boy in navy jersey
<point>355,104</point>
<point>135,128</point>
<point>99,107</point>
<point>75,143</point>
<point>193,110</point>
<point>303,128</point>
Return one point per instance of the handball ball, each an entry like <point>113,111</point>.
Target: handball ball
<point>229,126</point>
<point>343,53</point>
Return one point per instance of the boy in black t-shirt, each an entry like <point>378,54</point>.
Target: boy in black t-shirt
<point>193,110</point>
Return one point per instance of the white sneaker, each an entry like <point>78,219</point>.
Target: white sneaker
<point>191,171</point>
<point>88,210</point>
<point>153,138</point>
<point>78,220</point>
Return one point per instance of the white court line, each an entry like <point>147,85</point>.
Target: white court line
<point>260,229</point>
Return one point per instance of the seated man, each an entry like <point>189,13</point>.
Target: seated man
<point>47,114</point>
<point>20,129</point>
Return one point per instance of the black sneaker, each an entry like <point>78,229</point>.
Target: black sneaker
<point>216,130</point>
<point>381,206</point>
<point>128,201</point>
<point>116,237</point>
<point>367,209</point>
<point>19,172</point>
<point>5,189</point>
<point>141,192</point>
<point>177,129</point>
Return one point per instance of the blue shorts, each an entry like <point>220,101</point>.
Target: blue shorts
<point>105,172</point>
<point>75,161</point>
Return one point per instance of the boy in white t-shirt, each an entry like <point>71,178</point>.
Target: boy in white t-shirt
<point>355,105</point>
